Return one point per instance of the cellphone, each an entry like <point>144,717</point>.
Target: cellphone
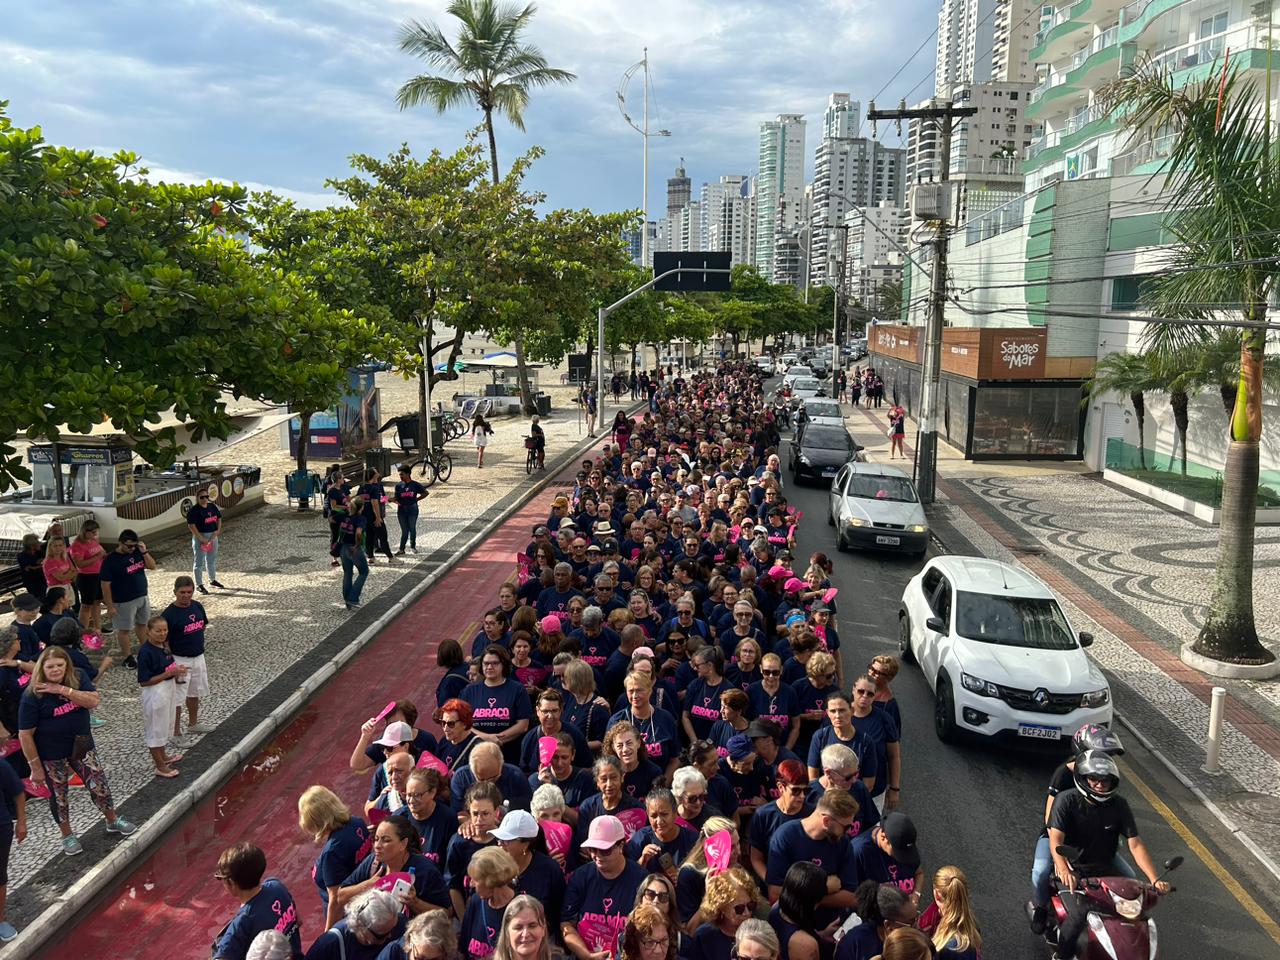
<point>666,863</point>
<point>400,888</point>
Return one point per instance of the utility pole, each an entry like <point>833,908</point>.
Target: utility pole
<point>944,113</point>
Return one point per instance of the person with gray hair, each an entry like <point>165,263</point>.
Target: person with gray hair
<point>432,931</point>
<point>548,803</point>
<point>690,788</point>
<point>269,945</point>
<point>596,640</point>
<point>370,922</point>
<point>756,940</point>
<point>555,598</point>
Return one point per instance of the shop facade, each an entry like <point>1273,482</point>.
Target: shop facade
<point>996,401</point>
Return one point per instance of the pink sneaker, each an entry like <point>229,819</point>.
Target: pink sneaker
<point>37,791</point>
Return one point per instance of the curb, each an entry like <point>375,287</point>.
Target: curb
<point>1229,671</point>
<point>111,868</point>
<point>1227,821</point>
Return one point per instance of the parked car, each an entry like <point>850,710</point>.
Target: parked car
<point>819,451</point>
<point>999,652</point>
<point>874,506</point>
<point>806,388</point>
<point>820,410</point>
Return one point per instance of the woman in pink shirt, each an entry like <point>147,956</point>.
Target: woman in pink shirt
<point>87,553</point>
<point>59,569</point>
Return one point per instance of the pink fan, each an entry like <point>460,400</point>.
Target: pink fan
<point>719,847</point>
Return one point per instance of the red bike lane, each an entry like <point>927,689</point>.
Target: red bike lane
<point>170,905</point>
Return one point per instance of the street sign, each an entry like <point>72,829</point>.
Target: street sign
<point>698,260</point>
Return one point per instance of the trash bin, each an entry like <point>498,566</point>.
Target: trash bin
<point>437,431</point>
<point>543,403</point>
<point>383,459</point>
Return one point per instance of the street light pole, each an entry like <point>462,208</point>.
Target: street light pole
<point>835,310</point>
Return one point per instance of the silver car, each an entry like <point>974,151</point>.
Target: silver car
<point>875,507</point>
<point>820,410</point>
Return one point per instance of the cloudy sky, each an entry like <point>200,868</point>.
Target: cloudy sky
<point>279,94</point>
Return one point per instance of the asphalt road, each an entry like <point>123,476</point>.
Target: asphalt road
<point>980,808</point>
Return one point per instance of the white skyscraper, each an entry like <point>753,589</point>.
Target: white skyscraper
<point>966,35</point>
<point>726,217</point>
<point>779,185</point>
<point>843,117</point>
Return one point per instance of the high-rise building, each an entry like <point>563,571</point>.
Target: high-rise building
<point>922,149</point>
<point>874,244</point>
<point>726,217</point>
<point>843,117</point>
<point>689,227</point>
<point>679,191</point>
<point>849,171</point>
<point>1015,23</point>
<point>966,35</point>
<point>779,185</point>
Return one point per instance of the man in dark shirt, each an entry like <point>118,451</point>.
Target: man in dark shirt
<point>1092,818</point>
<point>187,625</point>
<point>204,520</point>
<point>124,589</point>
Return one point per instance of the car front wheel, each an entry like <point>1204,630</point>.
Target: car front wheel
<point>904,639</point>
<point>944,712</point>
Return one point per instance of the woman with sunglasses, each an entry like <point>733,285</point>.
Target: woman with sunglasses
<point>702,698</point>
<point>370,922</point>
<point>454,718</point>
<point>882,670</point>
<point>731,898</point>
<point>772,700</point>
<point>819,683</point>
<point>839,728</point>
<point>883,737</point>
<point>651,932</point>
<point>792,785</point>
<point>691,882</point>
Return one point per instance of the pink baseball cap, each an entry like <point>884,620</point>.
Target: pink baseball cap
<point>778,572</point>
<point>793,584</point>
<point>550,624</point>
<point>643,652</point>
<point>395,734</point>
<point>604,833</point>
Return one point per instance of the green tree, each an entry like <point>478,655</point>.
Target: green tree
<point>1222,191</point>
<point>889,301</point>
<point>490,67</point>
<point>1131,375</point>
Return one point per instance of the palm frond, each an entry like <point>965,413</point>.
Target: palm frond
<point>543,77</point>
<point>427,42</point>
<point>439,93</point>
<point>510,100</point>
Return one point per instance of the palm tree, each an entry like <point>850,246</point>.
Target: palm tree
<point>1222,191</point>
<point>489,67</point>
<point>1127,373</point>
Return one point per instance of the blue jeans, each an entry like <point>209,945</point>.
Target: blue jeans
<point>203,561</point>
<point>353,557</point>
<point>1042,872</point>
<point>408,517</point>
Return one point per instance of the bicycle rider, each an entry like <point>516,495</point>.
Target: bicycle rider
<point>539,441</point>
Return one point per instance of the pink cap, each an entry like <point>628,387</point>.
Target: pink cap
<point>794,584</point>
<point>395,734</point>
<point>550,624</point>
<point>643,652</point>
<point>778,572</point>
<point>604,832</point>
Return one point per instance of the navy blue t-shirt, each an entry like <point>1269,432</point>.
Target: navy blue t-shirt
<point>709,943</point>
<point>56,720</point>
<point>678,848</point>
<point>428,884</point>
<point>702,703</point>
<point>436,831</point>
<point>593,807</point>
<point>825,735</point>
<point>406,494</point>
<point>661,741</point>
<point>511,782</point>
<point>766,821</point>
<point>271,908</point>
<point>782,707</point>
<point>204,519</point>
<point>576,788</point>
<point>544,881</point>
<point>338,855</point>
<point>590,718</point>
<point>127,574</point>
<point>868,814</point>
<point>746,786</point>
<point>640,781</point>
<point>529,748</point>
<point>811,697</point>
<point>340,943</point>
<point>878,727</point>
<point>874,864</point>
<point>790,844</point>
<point>495,709</point>
<point>600,907</point>
<point>596,650</point>
<point>457,856</point>
<point>10,789</point>
<point>552,600</point>
<point>481,924</point>
<point>860,943</point>
<point>152,661</point>
<point>186,628</point>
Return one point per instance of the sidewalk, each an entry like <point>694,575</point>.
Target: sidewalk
<point>1139,577</point>
<point>282,605</point>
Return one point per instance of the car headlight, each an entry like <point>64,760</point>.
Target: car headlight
<point>856,522</point>
<point>1129,909</point>
<point>918,528</point>
<point>983,688</point>
<point>1095,698</point>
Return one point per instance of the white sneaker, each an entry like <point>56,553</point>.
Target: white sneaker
<point>199,728</point>
<point>414,551</point>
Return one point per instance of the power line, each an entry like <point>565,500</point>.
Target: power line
<point>907,62</point>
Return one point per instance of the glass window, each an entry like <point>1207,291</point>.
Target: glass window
<point>870,487</point>
<point>955,411</point>
<point>1013,621</point>
<point>1026,421</point>
<point>819,437</point>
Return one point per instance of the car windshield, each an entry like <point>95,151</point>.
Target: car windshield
<point>807,383</point>
<point>823,410</point>
<point>799,371</point>
<point>870,487</point>
<point>826,438</point>
<point>1013,621</point>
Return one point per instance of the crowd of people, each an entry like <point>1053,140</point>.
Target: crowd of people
<point>649,750</point>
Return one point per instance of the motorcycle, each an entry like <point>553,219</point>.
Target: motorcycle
<point>1118,926</point>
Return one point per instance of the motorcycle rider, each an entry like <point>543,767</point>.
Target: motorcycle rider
<point>1092,818</point>
<point>1092,736</point>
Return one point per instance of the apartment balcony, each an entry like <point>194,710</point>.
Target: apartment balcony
<point>980,168</point>
<point>1208,50</point>
<point>1150,151</point>
<point>1062,32</point>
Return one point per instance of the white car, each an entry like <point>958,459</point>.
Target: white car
<point>795,372</point>
<point>874,506</point>
<point>820,410</point>
<point>999,653</point>
<point>764,364</point>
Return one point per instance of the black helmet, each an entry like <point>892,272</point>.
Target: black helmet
<point>1094,736</point>
<point>1096,764</point>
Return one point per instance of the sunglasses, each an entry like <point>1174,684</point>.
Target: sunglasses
<point>658,896</point>
<point>864,693</point>
<point>695,798</point>
<point>770,673</point>
<point>741,909</point>
<point>449,724</point>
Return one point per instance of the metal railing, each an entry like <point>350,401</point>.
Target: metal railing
<point>1206,49</point>
<point>1156,148</point>
<point>1133,11</point>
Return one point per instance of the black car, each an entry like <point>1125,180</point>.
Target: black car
<point>820,450</point>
